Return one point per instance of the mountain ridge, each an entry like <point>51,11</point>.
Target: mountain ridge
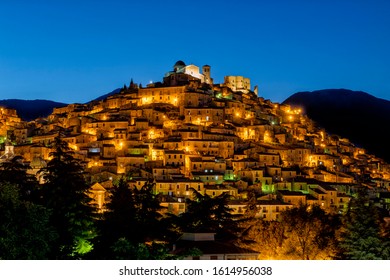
<point>31,109</point>
<point>356,115</point>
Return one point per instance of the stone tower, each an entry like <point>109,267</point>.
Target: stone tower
<point>206,73</point>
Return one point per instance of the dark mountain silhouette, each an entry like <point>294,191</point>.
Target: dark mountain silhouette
<point>356,115</point>
<point>31,109</point>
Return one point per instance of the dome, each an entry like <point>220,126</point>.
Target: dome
<point>179,63</point>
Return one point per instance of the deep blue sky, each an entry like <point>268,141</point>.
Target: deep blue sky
<point>74,51</point>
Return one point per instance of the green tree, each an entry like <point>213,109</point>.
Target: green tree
<point>124,249</point>
<point>132,227</point>
<point>65,192</point>
<point>301,233</point>
<point>148,213</point>
<point>361,235</point>
<point>209,214</point>
<point>14,172</point>
<point>118,221</point>
<point>25,232</point>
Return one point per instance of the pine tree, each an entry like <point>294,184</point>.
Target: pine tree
<point>65,192</point>
<point>148,215</point>
<point>209,214</point>
<point>360,238</point>
<point>25,233</point>
<point>15,172</point>
<point>119,219</point>
<point>132,224</point>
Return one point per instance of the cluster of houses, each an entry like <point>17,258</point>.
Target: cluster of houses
<point>187,133</point>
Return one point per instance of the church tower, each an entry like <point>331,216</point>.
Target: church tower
<point>206,73</point>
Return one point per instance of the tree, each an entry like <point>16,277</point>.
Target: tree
<point>304,232</point>
<point>132,226</point>
<point>65,192</point>
<point>118,221</point>
<point>15,172</point>
<point>209,214</point>
<point>361,235</point>
<point>25,232</point>
<point>123,249</point>
<point>265,237</point>
<point>310,233</point>
<point>148,215</point>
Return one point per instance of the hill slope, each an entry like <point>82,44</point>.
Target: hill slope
<point>356,115</point>
<point>31,109</point>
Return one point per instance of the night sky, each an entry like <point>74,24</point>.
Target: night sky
<point>74,51</point>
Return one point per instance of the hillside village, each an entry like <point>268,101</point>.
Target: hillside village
<point>188,132</point>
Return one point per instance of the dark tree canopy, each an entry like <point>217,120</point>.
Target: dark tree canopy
<point>14,172</point>
<point>209,214</point>
<point>25,232</point>
<point>65,192</point>
<point>132,224</point>
<point>361,238</point>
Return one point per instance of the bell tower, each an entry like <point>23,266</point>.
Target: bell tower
<point>206,73</point>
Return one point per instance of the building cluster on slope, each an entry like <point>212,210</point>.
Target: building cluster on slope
<point>187,133</point>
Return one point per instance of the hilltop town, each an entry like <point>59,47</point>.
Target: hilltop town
<point>188,133</point>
